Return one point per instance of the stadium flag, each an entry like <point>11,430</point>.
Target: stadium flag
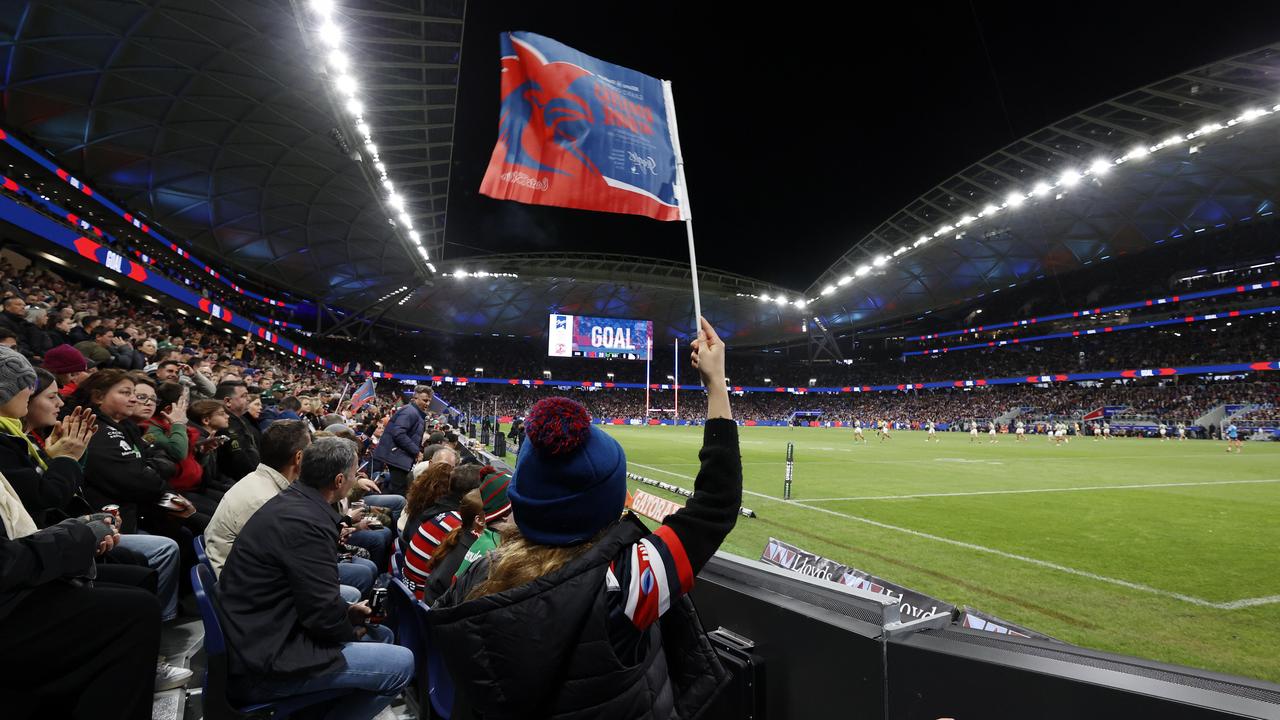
<point>1094,415</point>
<point>578,132</point>
<point>363,395</point>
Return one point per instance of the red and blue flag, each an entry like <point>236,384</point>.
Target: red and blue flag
<point>581,133</point>
<point>363,395</point>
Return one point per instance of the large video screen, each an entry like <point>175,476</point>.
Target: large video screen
<point>593,337</point>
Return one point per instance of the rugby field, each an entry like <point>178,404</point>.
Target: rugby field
<point>1166,550</point>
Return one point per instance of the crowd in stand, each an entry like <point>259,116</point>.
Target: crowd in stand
<point>133,432</point>
<point>1182,401</point>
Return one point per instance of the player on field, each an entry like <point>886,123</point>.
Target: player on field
<point>1164,431</point>
<point>991,433</point>
<point>885,427</point>
<point>1234,443</point>
<point>1020,431</point>
<point>1106,429</point>
<point>973,430</point>
<point>933,433</point>
<point>1182,431</point>
<point>857,432</point>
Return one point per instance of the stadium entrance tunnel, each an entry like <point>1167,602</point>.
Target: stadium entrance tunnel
<point>798,647</point>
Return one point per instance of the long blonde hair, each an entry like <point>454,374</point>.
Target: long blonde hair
<point>519,561</point>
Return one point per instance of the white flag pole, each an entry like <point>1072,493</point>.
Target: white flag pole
<point>682,196</point>
<point>676,380</point>
<point>647,360</point>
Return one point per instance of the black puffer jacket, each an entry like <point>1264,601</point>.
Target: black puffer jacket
<point>562,663</point>
<point>562,646</point>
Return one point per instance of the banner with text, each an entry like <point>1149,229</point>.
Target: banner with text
<point>913,605</point>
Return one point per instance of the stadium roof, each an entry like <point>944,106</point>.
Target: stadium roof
<point>215,122</point>
<point>219,122</point>
<point>1191,153</point>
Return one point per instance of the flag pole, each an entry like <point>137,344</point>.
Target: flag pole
<point>676,379</point>
<point>682,195</point>
<point>647,360</point>
<point>338,407</point>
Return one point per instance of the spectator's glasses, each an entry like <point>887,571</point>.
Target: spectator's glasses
<point>145,399</point>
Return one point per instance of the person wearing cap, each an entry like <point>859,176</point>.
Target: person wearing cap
<point>447,556</point>
<point>494,485</point>
<point>69,366</point>
<point>419,555</point>
<point>583,612</point>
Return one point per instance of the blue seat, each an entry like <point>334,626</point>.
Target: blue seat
<point>432,679</point>
<point>216,704</point>
<point>442,690</point>
<point>201,555</point>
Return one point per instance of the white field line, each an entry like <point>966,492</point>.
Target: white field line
<point>1201,602</point>
<point>1042,490</point>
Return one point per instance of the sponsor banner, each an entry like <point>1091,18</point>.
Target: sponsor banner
<point>683,492</point>
<point>978,620</point>
<point>913,605</point>
<point>652,506</point>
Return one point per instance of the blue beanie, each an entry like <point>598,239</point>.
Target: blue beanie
<point>570,480</point>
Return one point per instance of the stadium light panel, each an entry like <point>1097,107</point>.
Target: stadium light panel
<point>862,270</point>
<point>764,297</point>
<point>345,84</point>
<point>330,34</point>
<point>780,300</point>
<point>322,7</point>
<point>1041,188</point>
<point>1014,199</point>
<point>1100,167</point>
<point>990,208</point>
<point>845,280</point>
<point>1069,178</point>
<point>828,289</point>
<point>339,61</point>
<point>880,260</point>
<point>355,107</point>
<point>1138,151</point>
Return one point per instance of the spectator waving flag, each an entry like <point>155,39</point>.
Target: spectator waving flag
<point>363,395</point>
<point>578,132</point>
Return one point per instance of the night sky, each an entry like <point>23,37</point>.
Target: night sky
<point>804,128</point>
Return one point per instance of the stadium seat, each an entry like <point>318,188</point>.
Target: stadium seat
<point>216,704</point>
<point>435,686</point>
<point>198,543</point>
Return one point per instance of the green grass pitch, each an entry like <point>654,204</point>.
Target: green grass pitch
<point>1165,550</point>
